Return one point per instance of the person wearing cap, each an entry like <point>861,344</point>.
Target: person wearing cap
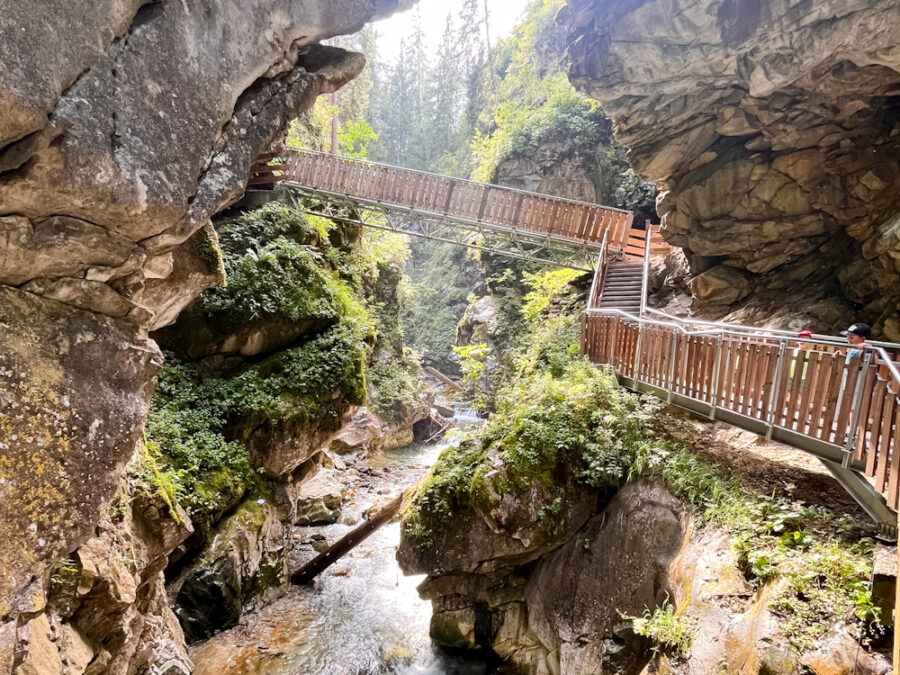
<point>856,335</point>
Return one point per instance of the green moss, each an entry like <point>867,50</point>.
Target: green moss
<point>397,385</point>
<point>205,244</point>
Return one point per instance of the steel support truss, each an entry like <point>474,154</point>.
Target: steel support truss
<point>495,239</point>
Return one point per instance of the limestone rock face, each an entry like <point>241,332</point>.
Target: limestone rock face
<point>572,599</point>
<point>771,128</point>
<point>124,126</point>
<point>74,387</point>
<point>106,608</point>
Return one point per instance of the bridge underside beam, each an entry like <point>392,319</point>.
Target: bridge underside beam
<point>490,238</point>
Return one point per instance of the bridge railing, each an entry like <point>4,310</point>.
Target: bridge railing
<point>809,393</point>
<point>450,197</point>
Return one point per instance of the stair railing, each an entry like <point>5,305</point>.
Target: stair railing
<point>646,273</point>
<point>599,274</point>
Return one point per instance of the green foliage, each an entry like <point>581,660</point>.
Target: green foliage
<point>561,116</point>
<point>66,573</point>
<point>452,483</point>
<point>397,385</point>
<point>187,459</point>
<point>670,632</point>
<point>473,361</point>
<point>279,270</point>
<point>205,243</point>
<point>283,280</point>
<point>546,287</point>
<point>442,278</point>
<point>355,138</point>
<point>252,230</point>
<point>276,271</point>
<point>542,425</point>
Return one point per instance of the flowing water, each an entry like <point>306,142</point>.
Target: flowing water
<point>360,617</point>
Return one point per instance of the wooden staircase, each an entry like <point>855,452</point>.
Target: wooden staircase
<point>622,287</point>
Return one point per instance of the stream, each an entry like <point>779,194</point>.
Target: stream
<point>360,617</point>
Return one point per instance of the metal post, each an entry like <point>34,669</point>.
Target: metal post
<point>855,410</point>
<point>670,382</point>
<point>612,342</point>
<point>637,350</point>
<point>648,229</point>
<point>597,272</point>
<point>715,382</point>
<point>776,386</point>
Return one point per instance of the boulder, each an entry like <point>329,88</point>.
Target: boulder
<point>318,500</point>
<point>245,564</point>
<point>721,285</point>
<point>38,653</point>
<point>840,654</point>
<point>504,529</point>
<point>362,432</point>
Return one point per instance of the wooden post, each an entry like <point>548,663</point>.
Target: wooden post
<point>776,391</point>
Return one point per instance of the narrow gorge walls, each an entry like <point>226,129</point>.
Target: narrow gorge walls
<point>124,126</point>
<point>773,129</point>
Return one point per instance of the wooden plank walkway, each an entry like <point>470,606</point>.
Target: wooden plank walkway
<point>501,209</point>
<point>807,393</point>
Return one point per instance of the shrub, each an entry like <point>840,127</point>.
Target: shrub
<point>669,632</point>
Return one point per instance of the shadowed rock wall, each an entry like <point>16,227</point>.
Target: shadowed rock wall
<point>773,129</point>
<point>124,126</point>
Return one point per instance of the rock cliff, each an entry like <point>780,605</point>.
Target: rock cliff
<point>679,571</point>
<point>772,130</point>
<point>124,126</point>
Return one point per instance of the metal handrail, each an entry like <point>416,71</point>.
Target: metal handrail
<point>598,274</point>
<point>648,232</point>
<point>772,332</point>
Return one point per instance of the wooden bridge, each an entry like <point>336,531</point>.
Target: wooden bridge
<point>517,223</point>
<point>807,392</point>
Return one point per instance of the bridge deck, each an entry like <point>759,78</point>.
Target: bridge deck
<point>499,209</point>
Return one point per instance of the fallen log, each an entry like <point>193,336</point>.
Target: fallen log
<point>348,542</point>
<point>434,372</point>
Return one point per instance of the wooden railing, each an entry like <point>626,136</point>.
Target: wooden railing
<point>641,243</point>
<point>453,198</point>
<point>806,392</point>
